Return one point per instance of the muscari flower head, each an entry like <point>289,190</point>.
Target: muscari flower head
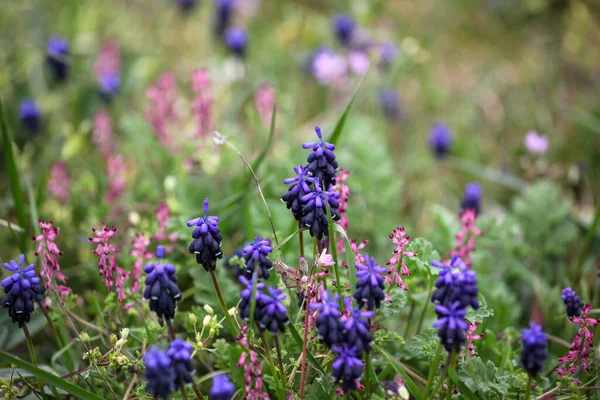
<point>22,289</point>
<point>246,296</point>
<point>110,84</point>
<point>57,53</point>
<point>272,315</point>
<point>440,139</point>
<point>223,10</point>
<point>236,40</point>
<point>573,302</point>
<point>347,367</point>
<point>159,374</point>
<point>300,187</point>
<point>321,162</point>
<point>207,239</point>
<point>29,114</point>
<point>472,197</point>
<point>314,210</point>
<point>222,388</point>
<point>388,53</point>
<point>343,26</point>
<point>455,283</point>
<point>389,100</point>
<point>256,254</point>
<point>356,329</point>
<point>533,353</point>
<point>161,288</point>
<point>369,288</point>
<point>329,326</point>
<point>180,353</point>
<point>451,325</point>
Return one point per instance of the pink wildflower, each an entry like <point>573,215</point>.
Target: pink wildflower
<point>344,192</point>
<point>252,367</point>
<point>59,181</point>
<point>359,258</point>
<point>163,214</point>
<point>325,260</point>
<point>580,348</point>
<point>202,103</point>
<point>50,251</point>
<point>108,60</point>
<point>396,263</point>
<point>359,62</point>
<point>465,239</point>
<point>264,100</point>
<point>537,144</point>
<point>329,68</point>
<point>102,135</point>
<point>108,263</point>
<point>141,253</point>
<point>472,337</point>
<point>116,170</point>
<point>161,110</point>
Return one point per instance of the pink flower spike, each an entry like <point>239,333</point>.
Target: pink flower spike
<point>112,273</point>
<point>396,262</point>
<point>465,239</point>
<point>580,348</point>
<point>140,245</point>
<point>59,181</point>
<point>50,252</point>
<point>264,100</point>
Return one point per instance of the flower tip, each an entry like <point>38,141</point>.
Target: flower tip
<point>160,251</point>
<point>205,206</point>
<point>318,131</point>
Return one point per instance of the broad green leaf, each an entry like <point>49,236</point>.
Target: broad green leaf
<point>464,389</point>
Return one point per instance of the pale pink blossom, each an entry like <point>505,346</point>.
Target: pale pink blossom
<point>465,239</point>
<point>264,100</point>
<point>325,260</point>
<point>141,253</point>
<point>535,143</point>
<point>59,181</point>
<point>344,191</point>
<point>397,265</point>
<point>330,68</point>
<point>252,367</point>
<point>50,251</point>
<point>161,112</point>
<point>113,274</point>
<point>116,171</point>
<point>202,103</point>
<point>359,62</point>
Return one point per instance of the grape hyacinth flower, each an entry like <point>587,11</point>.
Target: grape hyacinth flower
<point>207,240</point>
<point>246,296</point>
<point>300,188</point>
<point>159,374</point>
<point>107,262</point>
<point>533,353</point>
<point>57,57</point>
<point>573,302</point>
<point>321,162</point>
<point>455,283</point>
<point>255,255</point>
<point>314,210</point>
<point>29,114</point>
<point>344,27</point>
<point>272,315</point>
<point>236,40</point>
<point>110,84</point>
<point>223,10</point>
<point>451,325</point>
<point>222,388</point>
<point>347,367</point>
<point>356,329</point>
<point>22,289</point>
<point>329,326</point>
<point>440,140</point>
<point>389,101</point>
<point>369,288</point>
<point>580,348</point>
<point>180,353</point>
<point>472,198</point>
<point>387,53</point>
<point>535,143</point>
<point>161,288</point>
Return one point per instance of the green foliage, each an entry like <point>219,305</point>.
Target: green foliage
<point>423,345</point>
<point>393,308</point>
<point>481,314</point>
<point>422,262</point>
<point>487,380</point>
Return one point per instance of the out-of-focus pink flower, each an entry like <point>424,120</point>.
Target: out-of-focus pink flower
<point>264,99</point>
<point>116,171</point>
<point>102,135</point>
<point>252,367</point>
<point>107,262</point>
<point>141,253</point>
<point>535,143</point>
<point>108,60</point>
<point>330,68</point>
<point>163,214</point>
<point>465,239</point>
<point>161,109</point>
<point>344,191</point>
<point>359,62</point>
<point>50,251</point>
<point>202,103</point>
<point>59,181</point>
<point>472,337</point>
<point>397,265</point>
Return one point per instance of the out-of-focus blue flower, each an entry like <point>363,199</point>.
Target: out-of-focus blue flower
<point>343,26</point>
<point>246,296</point>
<point>356,329</point>
<point>440,139</point>
<point>573,302</point>
<point>455,283</point>
<point>161,289</point>
<point>329,326</point>
<point>256,254</point>
<point>29,114</point>
<point>451,325</point>
<point>533,353</point>
<point>222,388</point>
<point>57,57</point>
<point>159,374</point>
<point>314,210</point>
<point>22,289</point>
<point>369,288</point>
<point>388,54</point>
<point>321,162</point>
<point>207,239</point>
<point>389,100</point>
<point>223,10</point>
<point>472,197</point>
<point>347,367</point>
<point>110,84</point>
<point>180,353</point>
<point>300,188</point>
<point>273,315</point>
<point>186,5</point>
<point>236,40</point>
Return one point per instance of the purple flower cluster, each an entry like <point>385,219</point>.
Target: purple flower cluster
<point>472,198</point>
<point>180,353</point>
<point>159,374</point>
<point>356,329</point>
<point>321,162</point>
<point>222,388</point>
<point>57,57</point>
<point>533,353</point>
<point>161,288</point>
<point>236,40</point>
<point>22,290</point>
<point>207,240</point>
<point>329,326</point>
<point>369,288</point>
<point>300,187</point>
<point>314,210</point>
<point>269,311</point>
<point>347,367</point>
<point>256,256</point>
<point>29,114</point>
<point>440,139</point>
<point>344,27</point>
<point>573,302</point>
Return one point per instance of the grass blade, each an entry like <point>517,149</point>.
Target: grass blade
<point>339,126</point>
<point>464,389</point>
<point>13,178</point>
<point>261,157</point>
<point>49,378</point>
<point>412,387</point>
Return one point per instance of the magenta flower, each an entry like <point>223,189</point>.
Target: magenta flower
<point>107,262</point>
<point>396,263</point>
<point>59,181</point>
<point>102,134</point>
<point>250,363</point>
<point>535,143</point>
<point>116,171</point>
<point>140,252</point>
<point>108,60</point>
<point>161,112</point>
<point>472,337</point>
<point>202,103</point>
<point>264,100</point>
<point>163,215</point>
<point>344,191</point>
<point>465,239</point>
<point>50,252</point>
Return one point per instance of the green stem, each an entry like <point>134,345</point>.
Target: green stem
<point>450,382</point>
<point>197,391</point>
<point>409,319</point>
<point>32,355</point>
<point>528,389</point>
<point>234,329</point>
<point>433,369</point>
<point>271,363</point>
<point>368,374</point>
<point>422,317</point>
<point>59,340</point>
<point>588,241</point>
<point>171,329</point>
<point>281,368</point>
<point>333,247</point>
<point>301,239</point>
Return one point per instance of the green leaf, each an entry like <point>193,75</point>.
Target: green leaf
<point>410,384</point>
<point>481,314</point>
<point>13,179</point>
<point>426,254</point>
<point>464,390</point>
<point>424,344</point>
<point>339,126</point>
<point>256,163</point>
<point>49,378</point>
<point>390,309</point>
